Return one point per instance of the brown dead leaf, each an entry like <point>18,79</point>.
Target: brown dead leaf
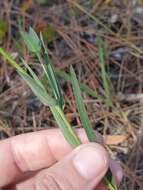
<point>115,139</point>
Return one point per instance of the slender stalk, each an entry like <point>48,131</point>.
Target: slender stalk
<point>65,127</point>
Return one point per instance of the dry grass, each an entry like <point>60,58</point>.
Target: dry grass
<point>77,26</point>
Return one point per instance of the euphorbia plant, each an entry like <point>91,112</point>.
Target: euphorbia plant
<point>52,96</point>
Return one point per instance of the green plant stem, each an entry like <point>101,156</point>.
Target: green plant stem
<point>65,127</point>
<point>9,58</point>
<point>110,185</point>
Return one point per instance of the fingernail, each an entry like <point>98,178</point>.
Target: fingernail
<point>91,161</point>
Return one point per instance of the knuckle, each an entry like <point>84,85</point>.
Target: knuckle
<point>50,182</point>
<point>18,157</point>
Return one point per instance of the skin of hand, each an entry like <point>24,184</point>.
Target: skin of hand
<point>45,161</point>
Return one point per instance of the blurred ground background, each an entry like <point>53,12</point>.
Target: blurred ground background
<point>70,29</point>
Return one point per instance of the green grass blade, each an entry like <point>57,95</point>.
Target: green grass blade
<point>51,76</point>
<point>41,93</point>
<point>81,108</point>
<point>111,185</point>
<point>32,41</point>
<point>104,75</point>
<point>65,127</point>
<point>33,75</point>
<point>10,59</point>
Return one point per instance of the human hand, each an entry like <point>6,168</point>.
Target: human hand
<point>44,161</point>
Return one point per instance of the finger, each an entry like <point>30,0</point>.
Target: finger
<point>82,169</point>
<point>31,152</point>
<point>116,171</point>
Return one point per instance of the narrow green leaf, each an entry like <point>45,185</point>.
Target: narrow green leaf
<point>53,81</point>
<point>65,127</point>
<point>33,74</point>
<point>111,185</point>
<point>10,59</point>
<point>32,41</point>
<point>110,180</point>
<point>81,108</point>
<point>51,76</point>
<point>104,75</point>
<point>41,93</point>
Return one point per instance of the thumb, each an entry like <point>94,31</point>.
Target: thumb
<point>82,169</point>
